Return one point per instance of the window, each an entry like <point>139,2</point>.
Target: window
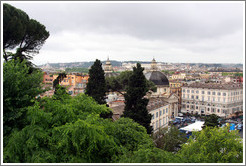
<point>188,106</point>
<point>167,110</point>
<point>197,97</point>
<point>208,92</point>
<point>197,91</point>
<point>218,93</point>
<point>160,122</point>
<point>208,109</point>
<point>208,98</point>
<point>164,121</point>
<point>188,91</point>
<point>192,106</point>
<point>224,100</point>
<point>213,98</point>
<point>156,115</point>
<point>192,97</point>
<point>192,91</point>
<point>156,125</point>
<point>197,107</point>
<point>213,93</point>
<point>160,112</point>
<point>218,110</point>
<point>183,105</point>
<point>153,116</point>
<point>203,92</point>
<point>202,98</point>
<point>188,96</point>
<point>224,111</point>
<point>183,95</point>
<point>183,90</point>
<point>212,109</point>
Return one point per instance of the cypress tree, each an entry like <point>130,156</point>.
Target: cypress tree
<point>135,103</point>
<point>96,86</point>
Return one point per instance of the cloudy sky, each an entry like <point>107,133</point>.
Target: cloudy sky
<point>169,32</point>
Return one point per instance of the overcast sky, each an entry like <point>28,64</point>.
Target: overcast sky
<point>169,32</point>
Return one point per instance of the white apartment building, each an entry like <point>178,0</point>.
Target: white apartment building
<point>160,111</point>
<point>211,98</point>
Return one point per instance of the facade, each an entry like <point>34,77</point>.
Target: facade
<point>159,79</point>
<point>212,98</point>
<point>180,76</point>
<point>163,89</point>
<point>159,109</point>
<point>108,69</point>
<point>76,83</point>
<point>175,87</point>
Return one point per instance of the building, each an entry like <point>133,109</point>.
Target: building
<point>159,108</point>
<point>180,76</point>
<point>175,87</point>
<point>108,69</point>
<point>163,89</point>
<point>75,83</point>
<point>212,98</point>
<point>159,79</point>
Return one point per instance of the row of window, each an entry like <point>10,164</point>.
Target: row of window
<point>213,110</point>
<point>203,92</point>
<point>218,99</point>
<point>159,123</point>
<point>159,113</point>
<point>213,93</point>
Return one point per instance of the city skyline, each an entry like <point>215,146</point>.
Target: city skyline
<point>170,32</point>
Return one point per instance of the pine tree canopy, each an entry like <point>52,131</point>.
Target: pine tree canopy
<point>135,103</point>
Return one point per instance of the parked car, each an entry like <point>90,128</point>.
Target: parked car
<point>239,127</point>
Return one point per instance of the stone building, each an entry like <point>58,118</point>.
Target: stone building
<point>163,89</point>
<point>212,98</point>
<point>108,69</point>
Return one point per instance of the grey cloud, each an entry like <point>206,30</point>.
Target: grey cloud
<point>147,21</point>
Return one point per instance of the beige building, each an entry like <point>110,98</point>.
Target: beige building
<point>211,98</point>
<point>163,88</point>
<point>179,76</point>
<point>159,108</point>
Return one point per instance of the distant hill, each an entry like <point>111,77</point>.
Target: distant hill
<point>119,63</point>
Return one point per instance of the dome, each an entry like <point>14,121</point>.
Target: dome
<point>157,77</point>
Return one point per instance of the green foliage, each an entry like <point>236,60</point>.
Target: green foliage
<point>135,103</point>
<point>59,79</point>
<point>19,89</point>
<point>213,145</point>
<point>238,74</point>
<point>28,35</point>
<point>77,69</point>
<point>168,72</point>
<point>169,139</point>
<point>129,134</point>
<point>211,121</point>
<point>96,86</point>
<point>70,130</point>
<point>149,155</point>
<point>14,26</point>
<point>120,82</point>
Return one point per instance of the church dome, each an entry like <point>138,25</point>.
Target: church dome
<point>157,77</point>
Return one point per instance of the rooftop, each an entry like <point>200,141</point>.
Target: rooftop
<point>226,86</point>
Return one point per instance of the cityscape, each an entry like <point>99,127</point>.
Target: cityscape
<point>125,91</point>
